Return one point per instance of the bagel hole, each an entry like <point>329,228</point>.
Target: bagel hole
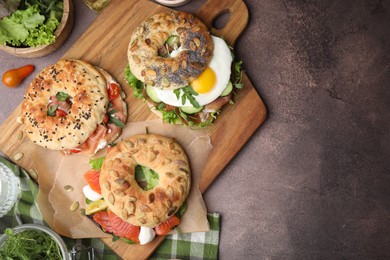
<point>59,104</point>
<point>172,43</point>
<point>146,178</point>
<point>220,21</point>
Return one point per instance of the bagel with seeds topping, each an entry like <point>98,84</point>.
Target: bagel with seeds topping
<point>126,198</point>
<point>163,71</point>
<point>66,107</point>
<point>185,74</point>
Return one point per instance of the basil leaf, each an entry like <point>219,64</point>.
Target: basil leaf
<point>96,164</point>
<point>62,96</point>
<point>51,110</point>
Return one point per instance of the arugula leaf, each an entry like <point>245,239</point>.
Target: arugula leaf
<point>177,93</point>
<point>134,83</point>
<point>113,111</point>
<point>96,164</point>
<point>189,93</point>
<point>62,96</point>
<point>146,178</point>
<point>116,121</point>
<point>51,110</point>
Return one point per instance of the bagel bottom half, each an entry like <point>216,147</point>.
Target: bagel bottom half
<point>123,194</point>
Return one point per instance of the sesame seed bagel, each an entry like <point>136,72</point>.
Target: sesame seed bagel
<point>170,72</point>
<point>88,93</point>
<point>121,191</point>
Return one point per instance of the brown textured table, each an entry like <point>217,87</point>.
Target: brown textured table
<point>313,182</point>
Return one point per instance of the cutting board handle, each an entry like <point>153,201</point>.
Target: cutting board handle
<point>237,20</point>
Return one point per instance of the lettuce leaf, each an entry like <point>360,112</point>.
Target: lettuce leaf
<point>96,164</point>
<point>28,28</point>
<point>146,178</point>
<point>136,84</point>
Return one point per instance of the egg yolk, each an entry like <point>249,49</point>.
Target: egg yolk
<point>205,82</point>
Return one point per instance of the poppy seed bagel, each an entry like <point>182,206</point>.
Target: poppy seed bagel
<point>170,72</point>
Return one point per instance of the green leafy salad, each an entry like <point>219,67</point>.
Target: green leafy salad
<point>33,24</point>
<point>29,244</point>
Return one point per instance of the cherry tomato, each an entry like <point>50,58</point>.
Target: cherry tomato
<point>105,119</point>
<point>113,91</point>
<point>60,113</point>
<point>12,78</point>
<point>75,150</point>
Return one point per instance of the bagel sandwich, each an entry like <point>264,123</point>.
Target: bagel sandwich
<point>185,74</point>
<point>139,189</point>
<point>74,107</point>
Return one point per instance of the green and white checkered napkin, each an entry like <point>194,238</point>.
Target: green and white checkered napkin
<point>198,245</point>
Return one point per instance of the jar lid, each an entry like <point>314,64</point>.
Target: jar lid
<point>173,3</point>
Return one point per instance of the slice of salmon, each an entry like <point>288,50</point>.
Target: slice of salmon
<point>93,140</point>
<point>123,229</point>
<point>118,104</point>
<point>103,219</point>
<point>166,226</point>
<point>92,178</point>
<point>111,223</point>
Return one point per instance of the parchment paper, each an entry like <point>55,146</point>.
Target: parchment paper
<point>56,171</point>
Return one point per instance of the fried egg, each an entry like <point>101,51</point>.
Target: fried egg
<point>210,84</point>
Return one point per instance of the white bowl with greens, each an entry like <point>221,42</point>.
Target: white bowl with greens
<point>36,28</point>
<point>32,241</point>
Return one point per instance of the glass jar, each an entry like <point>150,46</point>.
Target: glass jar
<point>9,189</point>
<point>97,5</point>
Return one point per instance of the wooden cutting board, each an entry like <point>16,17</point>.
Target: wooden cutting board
<point>105,43</point>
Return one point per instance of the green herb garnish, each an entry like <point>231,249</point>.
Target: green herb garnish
<point>29,244</point>
<point>62,96</point>
<point>51,111</point>
<point>188,93</point>
<point>146,178</point>
<point>238,70</point>
<point>114,120</point>
<point>96,164</point>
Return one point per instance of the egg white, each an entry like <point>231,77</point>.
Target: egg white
<point>220,64</point>
<point>90,194</point>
